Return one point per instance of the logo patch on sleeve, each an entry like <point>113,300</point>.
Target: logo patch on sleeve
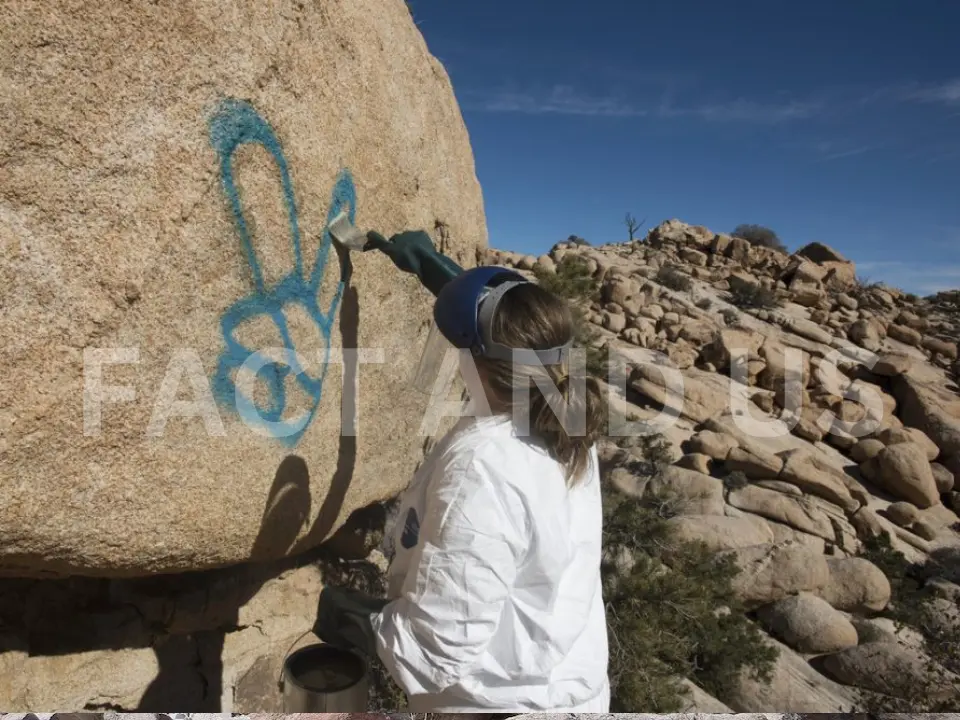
<point>411,530</point>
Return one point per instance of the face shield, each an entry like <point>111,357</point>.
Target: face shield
<point>463,315</point>
<point>438,364</point>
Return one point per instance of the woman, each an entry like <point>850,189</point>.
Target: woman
<point>494,589</point>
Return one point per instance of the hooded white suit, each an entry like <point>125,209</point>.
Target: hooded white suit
<point>495,580</point>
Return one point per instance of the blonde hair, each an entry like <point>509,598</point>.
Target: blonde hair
<point>529,316</point>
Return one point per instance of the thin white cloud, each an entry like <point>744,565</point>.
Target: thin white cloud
<point>851,152</point>
<point>565,100</point>
<point>742,110</point>
<point>946,93</point>
<point>560,100</point>
<point>922,278</point>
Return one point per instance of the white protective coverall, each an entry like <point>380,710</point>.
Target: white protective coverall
<point>495,590</point>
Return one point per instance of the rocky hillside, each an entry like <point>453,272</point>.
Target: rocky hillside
<point>816,441</point>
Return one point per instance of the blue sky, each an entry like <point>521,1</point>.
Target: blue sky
<point>829,120</point>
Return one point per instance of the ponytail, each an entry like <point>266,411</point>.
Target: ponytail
<point>564,407</point>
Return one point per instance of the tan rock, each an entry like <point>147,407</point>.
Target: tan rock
<point>720,244</point>
<point>700,701</point>
<point>847,302</point>
<point>889,669</point>
<point>942,477</point>
<point>892,365</point>
<point>712,444</point>
<point>796,512</point>
<point>117,231</point>
<point>719,532</point>
<point>933,409</point>
<point>696,493</point>
<point>903,513</point>
<point>729,343</point>
<point>694,257</point>
<point>619,289</point>
<point>866,449</point>
<point>911,320</point>
<point>925,530</point>
<point>809,330</point>
<point>809,624</point>
<point>771,572</point>
<point>613,322</point>
<point>896,436</point>
<point>754,464</point>
<point>905,473</point>
<point>816,476</point>
<point>856,585</point>
<point>780,486</point>
<point>940,347</point>
<point>793,684</point>
<point>904,334</point>
<point>696,461</point>
<point>864,333</point>
<point>820,253</point>
<point>704,394</point>
<point>545,264</point>
<point>783,362</point>
<point>867,524</point>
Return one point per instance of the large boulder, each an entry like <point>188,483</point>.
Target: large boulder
<point>905,473</point>
<point>793,684</point>
<point>797,512</point>
<point>864,333</point>
<point>840,274</point>
<point>168,173</point>
<point>820,253</point>
<point>809,624</point>
<point>856,585</point>
<point>719,532</point>
<point>771,572</point>
<point>931,408</point>
<point>890,669</point>
<point>814,474</point>
<point>693,492</point>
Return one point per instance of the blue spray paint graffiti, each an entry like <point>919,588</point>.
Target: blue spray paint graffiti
<point>234,124</point>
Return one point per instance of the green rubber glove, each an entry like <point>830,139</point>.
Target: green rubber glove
<point>413,252</point>
<point>344,619</point>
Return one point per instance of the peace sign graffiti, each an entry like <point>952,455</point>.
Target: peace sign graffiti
<point>236,123</point>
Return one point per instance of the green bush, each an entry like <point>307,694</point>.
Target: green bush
<point>911,606</point>
<point>671,277</point>
<point>730,317</point>
<point>573,282</point>
<point>754,296</point>
<point>759,235</point>
<point>663,622</point>
<point>572,279</point>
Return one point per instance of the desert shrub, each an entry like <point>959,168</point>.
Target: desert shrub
<point>662,622</point>
<point>573,282</point>
<point>730,316</point>
<point>735,480</point>
<point>572,279</point>
<point>759,235</point>
<point>911,298</point>
<point>577,240</point>
<point>704,303</point>
<point>754,296</point>
<point>671,277</point>
<point>911,606</point>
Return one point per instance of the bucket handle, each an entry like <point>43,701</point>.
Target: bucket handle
<point>285,655</point>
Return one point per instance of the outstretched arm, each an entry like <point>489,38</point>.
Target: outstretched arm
<point>414,252</point>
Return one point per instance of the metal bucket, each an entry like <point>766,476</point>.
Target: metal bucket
<point>322,678</point>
